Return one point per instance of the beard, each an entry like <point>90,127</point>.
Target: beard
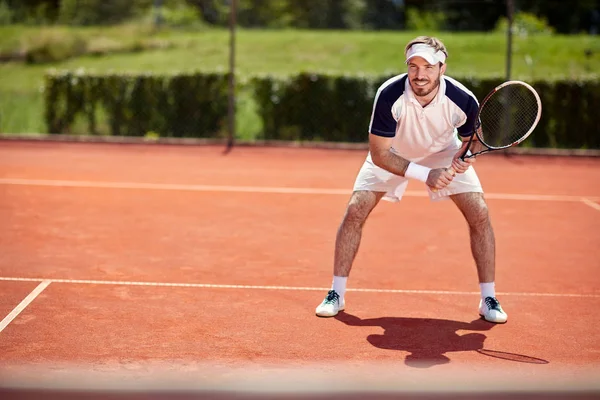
<point>422,91</point>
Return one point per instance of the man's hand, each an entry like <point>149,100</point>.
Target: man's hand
<point>459,166</point>
<point>439,178</point>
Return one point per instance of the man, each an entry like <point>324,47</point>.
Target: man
<point>413,135</point>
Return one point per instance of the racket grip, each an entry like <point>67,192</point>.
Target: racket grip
<point>452,171</point>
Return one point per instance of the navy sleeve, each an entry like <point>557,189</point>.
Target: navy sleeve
<point>467,102</point>
<point>382,121</point>
<point>472,111</point>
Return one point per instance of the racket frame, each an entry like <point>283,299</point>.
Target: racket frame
<point>477,124</point>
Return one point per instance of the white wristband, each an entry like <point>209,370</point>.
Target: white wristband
<point>416,171</point>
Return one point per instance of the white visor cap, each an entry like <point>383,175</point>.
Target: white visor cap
<point>427,52</point>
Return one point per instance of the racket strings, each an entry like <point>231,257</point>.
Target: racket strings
<point>508,115</point>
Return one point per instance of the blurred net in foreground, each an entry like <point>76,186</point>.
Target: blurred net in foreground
<point>328,381</point>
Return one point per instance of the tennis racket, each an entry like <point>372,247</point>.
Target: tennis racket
<point>506,117</point>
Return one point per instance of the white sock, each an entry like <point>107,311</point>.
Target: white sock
<point>339,285</point>
<point>487,289</point>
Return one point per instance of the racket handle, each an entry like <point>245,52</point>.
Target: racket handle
<point>452,171</point>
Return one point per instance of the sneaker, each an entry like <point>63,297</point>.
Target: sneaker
<point>490,310</point>
<point>331,305</point>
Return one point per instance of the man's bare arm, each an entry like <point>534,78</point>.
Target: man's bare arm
<point>476,145</point>
<point>383,156</point>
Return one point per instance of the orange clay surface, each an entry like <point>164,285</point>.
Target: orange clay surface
<point>205,265</point>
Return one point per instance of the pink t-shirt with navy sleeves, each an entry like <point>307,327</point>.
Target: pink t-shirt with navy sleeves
<point>420,131</point>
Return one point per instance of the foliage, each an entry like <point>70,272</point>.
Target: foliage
<point>179,14</point>
<point>459,15</point>
<point>314,107</point>
<point>52,46</point>
<point>305,14</point>
<point>565,16</point>
<point>304,107</point>
<point>31,12</point>
<point>179,105</point>
<point>424,20</point>
<point>525,24</point>
<point>99,12</point>
<point>337,108</point>
<point>283,52</point>
<point>384,14</point>
<point>6,13</point>
<point>478,15</point>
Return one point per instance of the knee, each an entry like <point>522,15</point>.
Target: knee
<point>479,217</point>
<point>358,210</point>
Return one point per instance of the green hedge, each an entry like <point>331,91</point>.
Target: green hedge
<point>180,105</point>
<point>334,108</point>
<point>315,107</point>
<point>306,107</point>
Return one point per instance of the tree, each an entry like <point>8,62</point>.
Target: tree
<point>99,12</point>
<point>564,16</point>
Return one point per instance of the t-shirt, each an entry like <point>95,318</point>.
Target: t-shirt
<point>421,131</point>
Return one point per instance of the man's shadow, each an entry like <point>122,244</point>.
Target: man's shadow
<point>426,339</point>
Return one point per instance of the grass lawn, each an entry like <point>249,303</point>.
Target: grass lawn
<point>278,52</point>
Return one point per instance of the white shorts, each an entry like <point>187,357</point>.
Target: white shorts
<point>376,179</point>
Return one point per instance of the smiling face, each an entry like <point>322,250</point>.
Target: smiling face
<point>424,78</point>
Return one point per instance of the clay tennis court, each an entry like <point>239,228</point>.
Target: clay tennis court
<point>135,271</point>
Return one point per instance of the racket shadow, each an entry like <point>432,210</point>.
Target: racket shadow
<point>427,340</point>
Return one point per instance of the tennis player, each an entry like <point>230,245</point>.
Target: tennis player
<point>420,122</point>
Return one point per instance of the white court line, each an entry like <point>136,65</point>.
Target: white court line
<point>23,304</point>
<point>591,203</point>
<point>291,288</point>
<point>260,189</point>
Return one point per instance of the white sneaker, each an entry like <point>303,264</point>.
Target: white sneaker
<point>331,305</point>
<point>490,310</point>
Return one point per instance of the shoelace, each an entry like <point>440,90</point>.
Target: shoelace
<point>332,297</point>
<point>492,303</point>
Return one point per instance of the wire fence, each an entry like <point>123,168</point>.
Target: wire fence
<point>157,75</point>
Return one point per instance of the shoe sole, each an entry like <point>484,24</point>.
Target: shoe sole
<point>329,316</point>
<point>493,322</point>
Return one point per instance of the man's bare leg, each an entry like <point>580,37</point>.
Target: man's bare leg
<point>349,233</point>
<point>483,248</point>
<point>347,243</point>
<point>483,243</point>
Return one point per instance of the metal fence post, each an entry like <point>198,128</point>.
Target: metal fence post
<point>510,7</point>
<point>231,104</point>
